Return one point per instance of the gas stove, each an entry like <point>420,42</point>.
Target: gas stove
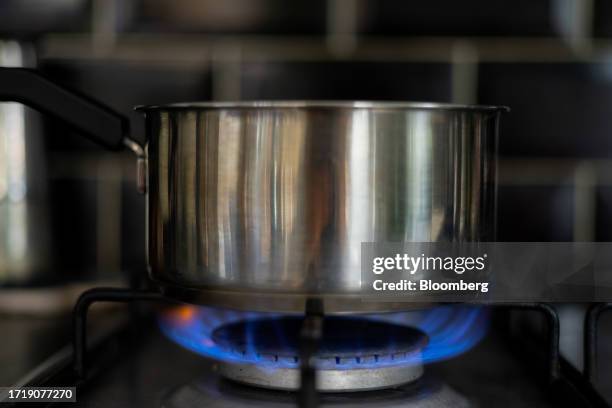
<point>356,353</point>
<point>451,355</point>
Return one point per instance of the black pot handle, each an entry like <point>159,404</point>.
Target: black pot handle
<point>93,119</point>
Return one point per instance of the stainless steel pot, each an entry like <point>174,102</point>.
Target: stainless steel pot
<point>261,205</point>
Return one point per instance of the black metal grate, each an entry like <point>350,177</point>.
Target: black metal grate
<point>564,380</point>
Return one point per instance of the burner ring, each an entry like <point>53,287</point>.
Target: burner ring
<point>354,353</point>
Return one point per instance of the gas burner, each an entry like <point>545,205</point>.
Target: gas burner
<point>425,393</point>
<point>355,354</point>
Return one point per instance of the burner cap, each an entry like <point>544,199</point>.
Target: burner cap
<point>354,353</point>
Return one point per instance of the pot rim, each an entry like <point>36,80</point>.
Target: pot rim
<point>316,104</point>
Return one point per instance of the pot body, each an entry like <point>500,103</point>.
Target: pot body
<point>262,205</point>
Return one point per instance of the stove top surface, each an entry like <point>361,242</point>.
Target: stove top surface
<point>157,372</point>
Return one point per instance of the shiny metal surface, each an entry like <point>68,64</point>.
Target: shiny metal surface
<point>333,105</point>
<point>427,393</point>
<point>352,354</point>
<point>328,380</point>
<point>25,239</point>
<point>276,198</point>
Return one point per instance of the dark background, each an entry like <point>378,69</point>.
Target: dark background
<point>550,61</point>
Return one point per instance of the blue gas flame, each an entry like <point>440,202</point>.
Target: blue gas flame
<point>452,330</point>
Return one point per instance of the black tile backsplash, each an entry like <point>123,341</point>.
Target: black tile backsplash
<point>358,80</point>
<point>122,86</point>
<point>73,226</point>
<point>20,18</point>
<point>603,230</point>
<point>535,213</point>
<point>458,18</point>
<point>232,16</point>
<point>133,227</point>
<point>558,109</point>
<point>602,18</point>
